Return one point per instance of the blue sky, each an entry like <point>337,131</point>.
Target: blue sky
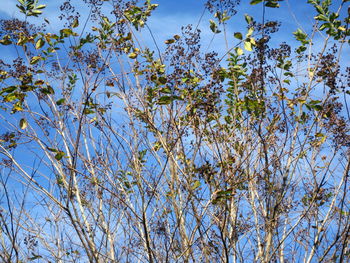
<point>171,15</point>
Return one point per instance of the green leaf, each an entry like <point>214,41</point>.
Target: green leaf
<point>248,19</point>
<point>40,7</point>
<point>39,43</point>
<point>22,40</point>
<point>319,9</point>
<point>11,97</point>
<point>23,124</point>
<point>248,46</point>
<point>59,155</point>
<point>48,90</point>
<point>75,23</point>
<point>238,35</point>
<point>214,27</point>
<point>301,36</point>
<point>35,12</point>
<point>196,184</point>
<point>132,55</point>
<point>21,9</point>
<point>162,80</point>
<point>250,31</point>
<point>301,49</point>
<point>35,60</point>
<point>167,100</point>
<point>60,101</point>
<point>222,196</point>
<point>254,2</point>
<point>8,89</point>
<point>6,41</point>
<point>39,82</point>
<point>34,257</point>
<point>88,111</point>
<point>169,41</point>
<point>68,32</point>
<point>239,51</point>
<point>52,150</point>
<point>165,90</point>
<point>324,26</point>
<point>272,4</point>
<point>321,17</point>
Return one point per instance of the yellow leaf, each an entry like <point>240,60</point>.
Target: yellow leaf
<point>23,124</point>
<point>248,46</point>
<point>132,55</point>
<point>35,60</point>
<point>252,40</point>
<point>39,43</point>
<point>75,23</point>
<point>239,51</point>
<point>39,82</point>
<point>169,41</point>
<point>250,31</point>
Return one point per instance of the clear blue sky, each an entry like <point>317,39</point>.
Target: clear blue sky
<point>171,15</point>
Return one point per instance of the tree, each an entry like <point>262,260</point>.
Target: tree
<point>114,152</point>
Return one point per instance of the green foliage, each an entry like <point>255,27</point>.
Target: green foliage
<point>138,15</point>
<point>214,27</point>
<point>267,3</point>
<point>30,7</point>
<point>328,20</point>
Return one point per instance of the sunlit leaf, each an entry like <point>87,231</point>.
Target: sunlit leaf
<point>169,41</point>
<point>75,23</point>
<point>272,4</point>
<point>254,2</point>
<point>40,6</point>
<point>6,40</point>
<point>68,32</point>
<point>250,31</point>
<point>88,111</point>
<point>248,19</point>
<point>214,27</point>
<point>196,184</point>
<point>8,89</point>
<point>239,51</point>
<point>248,46</point>
<point>132,55</point>
<point>35,60</point>
<point>23,124</point>
<point>11,97</point>
<point>39,82</point>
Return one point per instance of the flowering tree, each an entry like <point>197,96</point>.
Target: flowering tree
<point>114,152</point>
